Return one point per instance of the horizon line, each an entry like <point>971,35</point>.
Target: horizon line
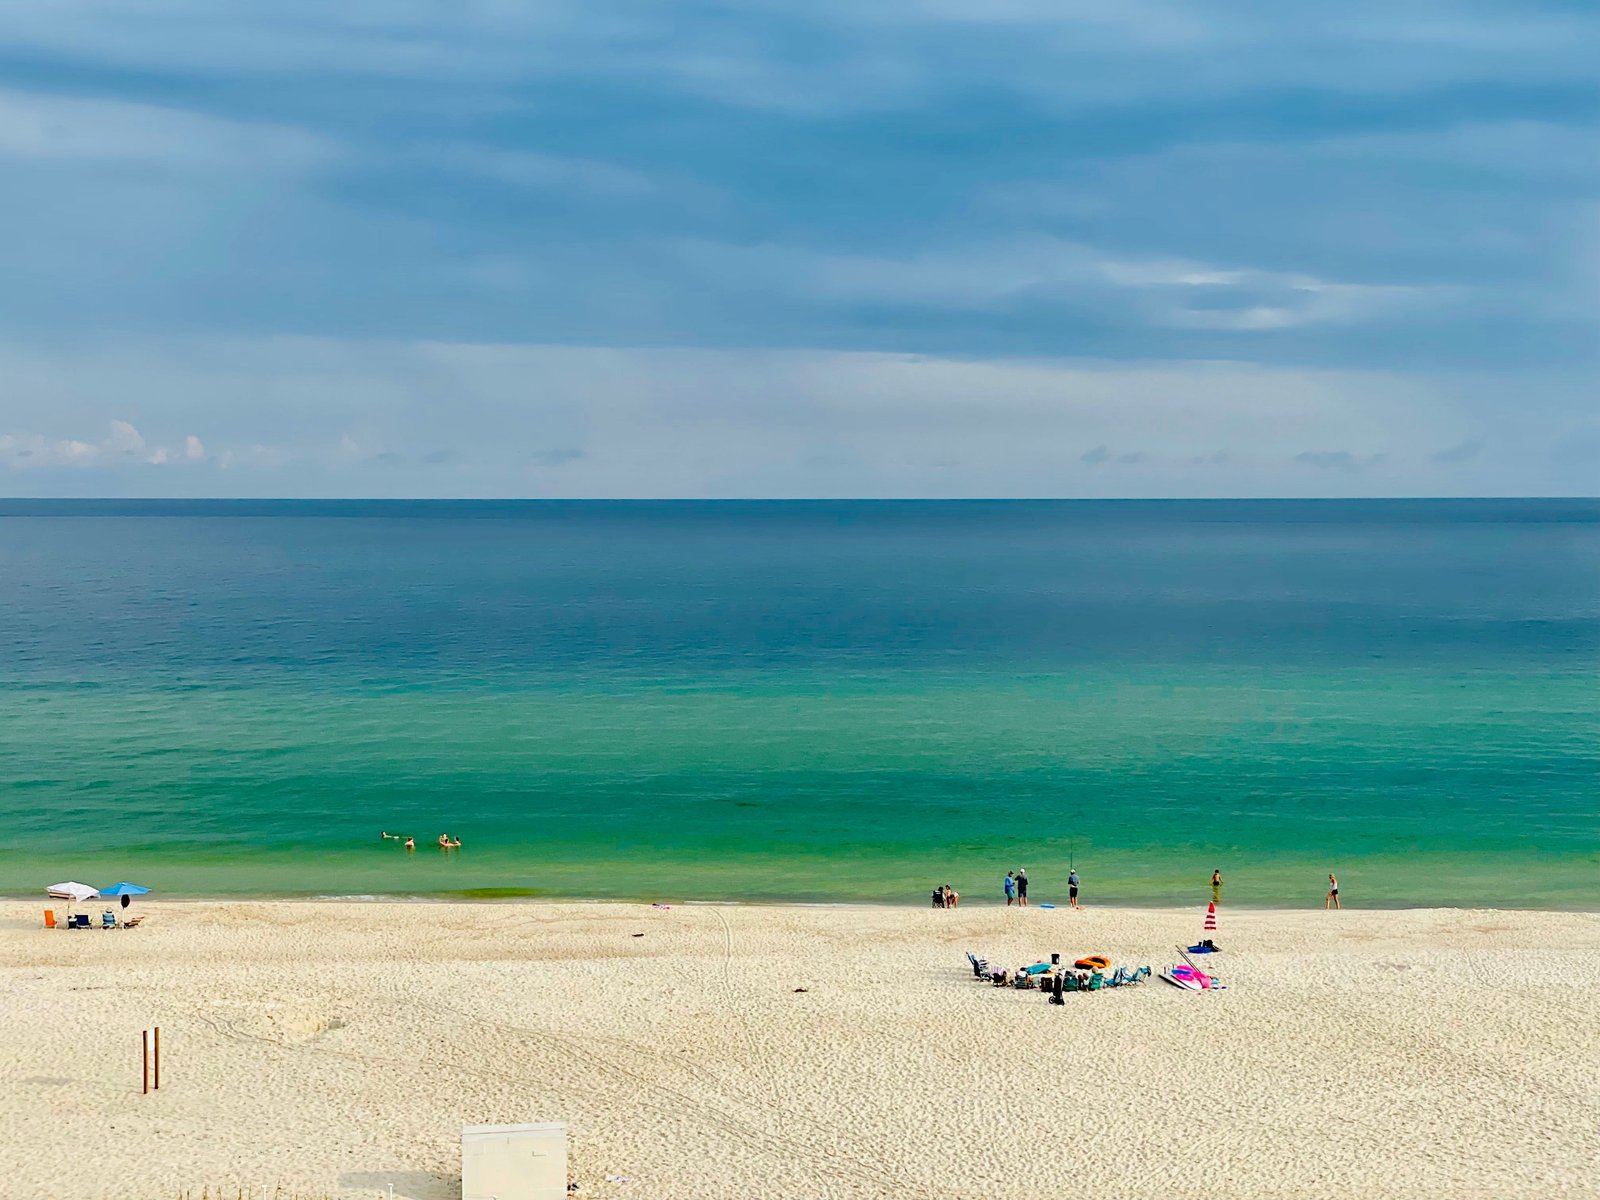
<point>786,499</point>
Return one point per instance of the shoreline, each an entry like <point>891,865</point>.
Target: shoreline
<point>770,904</point>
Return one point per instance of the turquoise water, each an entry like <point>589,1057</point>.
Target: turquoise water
<point>846,701</point>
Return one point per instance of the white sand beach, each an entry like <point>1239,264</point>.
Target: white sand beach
<point>338,1048</point>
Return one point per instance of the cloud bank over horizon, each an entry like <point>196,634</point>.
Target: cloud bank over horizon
<point>766,250</point>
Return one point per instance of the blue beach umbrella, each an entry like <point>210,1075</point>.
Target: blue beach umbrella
<point>124,890</point>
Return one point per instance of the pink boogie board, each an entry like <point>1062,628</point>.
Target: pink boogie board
<point>1187,978</point>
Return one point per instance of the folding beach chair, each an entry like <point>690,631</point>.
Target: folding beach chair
<point>131,922</point>
<point>108,920</point>
<point>49,918</point>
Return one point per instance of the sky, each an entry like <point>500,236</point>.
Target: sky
<point>903,248</point>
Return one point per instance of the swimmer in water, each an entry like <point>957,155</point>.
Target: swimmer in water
<point>388,836</point>
<point>411,843</point>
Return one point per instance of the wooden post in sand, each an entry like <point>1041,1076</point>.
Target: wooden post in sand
<point>150,1058</point>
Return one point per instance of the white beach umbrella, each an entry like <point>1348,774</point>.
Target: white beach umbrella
<point>71,891</point>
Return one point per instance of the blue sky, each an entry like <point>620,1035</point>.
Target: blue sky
<point>910,248</point>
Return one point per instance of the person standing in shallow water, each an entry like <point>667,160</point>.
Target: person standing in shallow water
<point>1072,887</point>
<point>1216,887</point>
<point>1022,887</point>
<point>1332,899</point>
<point>1011,889</point>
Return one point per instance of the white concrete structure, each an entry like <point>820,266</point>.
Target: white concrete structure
<point>514,1162</point>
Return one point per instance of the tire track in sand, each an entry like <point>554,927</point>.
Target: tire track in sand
<point>817,1150</point>
<point>753,1044</point>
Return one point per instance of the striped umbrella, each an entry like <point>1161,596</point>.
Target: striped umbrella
<point>1211,917</point>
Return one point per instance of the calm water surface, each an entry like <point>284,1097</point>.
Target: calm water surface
<point>832,701</point>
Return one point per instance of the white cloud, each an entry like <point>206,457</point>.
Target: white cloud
<point>1164,293</point>
<point>125,441</point>
<point>122,446</point>
<point>1192,295</point>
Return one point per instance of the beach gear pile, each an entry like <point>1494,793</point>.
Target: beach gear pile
<point>1186,975</point>
<point>1092,973</point>
<point>1190,978</point>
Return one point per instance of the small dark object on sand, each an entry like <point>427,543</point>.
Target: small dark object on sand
<point>638,935</point>
<point>802,989</point>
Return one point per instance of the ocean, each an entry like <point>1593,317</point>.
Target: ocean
<point>828,701</point>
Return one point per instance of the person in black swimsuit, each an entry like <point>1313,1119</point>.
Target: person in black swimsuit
<point>1332,900</point>
<point>1022,886</point>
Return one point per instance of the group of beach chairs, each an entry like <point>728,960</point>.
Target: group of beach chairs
<point>108,920</point>
<point>1055,979</point>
